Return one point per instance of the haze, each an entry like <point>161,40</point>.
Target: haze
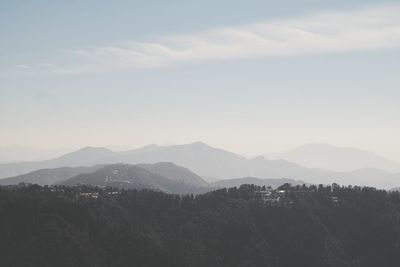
<point>254,77</point>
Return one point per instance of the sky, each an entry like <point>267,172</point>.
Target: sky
<point>248,76</point>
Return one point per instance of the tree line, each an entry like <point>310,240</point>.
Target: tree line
<point>310,226</point>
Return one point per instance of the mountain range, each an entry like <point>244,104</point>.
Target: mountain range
<point>48,176</point>
<point>210,164</point>
<point>82,157</point>
<point>163,176</point>
<point>341,159</point>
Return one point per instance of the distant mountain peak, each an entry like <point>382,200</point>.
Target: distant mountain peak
<point>83,156</point>
<point>93,149</point>
<point>88,150</point>
<point>259,158</point>
<point>336,158</point>
<point>151,145</point>
<point>199,144</point>
<point>149,148</point>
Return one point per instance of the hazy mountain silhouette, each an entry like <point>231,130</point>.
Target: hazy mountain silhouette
<point>211,164</point>
<point>82,157</point>
<point>342,159</point>
<point>208,161</point>
<point>142,177</point>
<point>48,176</point>
<point>200,158</point>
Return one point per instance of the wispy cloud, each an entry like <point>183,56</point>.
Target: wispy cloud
<point>21,67</point>
<point>46,65</point>
<point>358,30</point>
<point>36,67</point>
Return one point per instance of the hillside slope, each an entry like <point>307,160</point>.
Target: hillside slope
<point>319,227</point>
<point>173,180</point>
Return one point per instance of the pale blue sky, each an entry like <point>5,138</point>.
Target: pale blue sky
<point>128,73</point>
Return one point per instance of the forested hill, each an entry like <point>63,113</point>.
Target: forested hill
<point>246,226</point>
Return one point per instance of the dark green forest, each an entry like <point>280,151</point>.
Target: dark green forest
<point>297,226</point>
